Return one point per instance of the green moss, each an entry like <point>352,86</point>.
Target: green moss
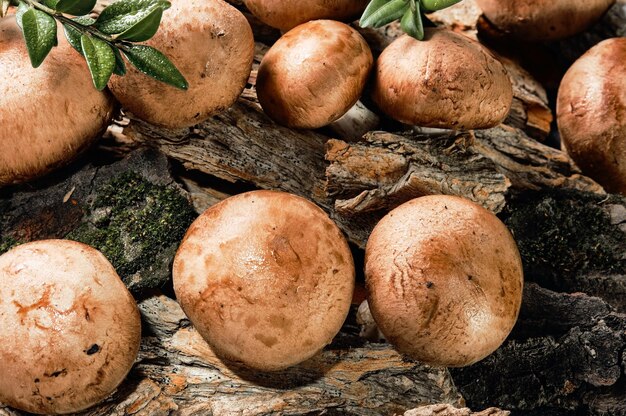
<point>133,222</point>
<point>566,234</point>
<point>7,244</point>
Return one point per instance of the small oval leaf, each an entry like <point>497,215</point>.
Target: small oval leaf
<point>120,66</point>
<point>411,24</point>
<point>145,28</point>
<point>76,7</point>
<point>100,60</point>
<point>73,35</point>
<point>123,15</point>
<point>371,8</point>
<point>153,63</point>
<point>40,33</point>
<point>383,13</point>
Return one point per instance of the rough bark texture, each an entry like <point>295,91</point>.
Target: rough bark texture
<point>132,211</point>
<point>477,165</point>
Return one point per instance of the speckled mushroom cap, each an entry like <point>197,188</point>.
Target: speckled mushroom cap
<point>266,278</point>
<point>535,20</point>
<point>70,330</point>
<point>211,44</point>
<point>591,113</point>
<point>48,115</point>
<point>287,14</point>
<point>445,280</point>
<point>313,74</point>
<point>446,81</point>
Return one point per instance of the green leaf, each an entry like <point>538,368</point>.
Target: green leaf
<point>40,33</point>
<point>120,66</point>
<point>51,3</point>
<point>73,35</point>
<point>371,8</point>
<point>122,16</point>
<point>434,5</point>
<point>75,7</point>
<point>145,28</point>
<point>100,59</point>
<point>411,23</point>
<point>386,13</point>
<point>153,63</point>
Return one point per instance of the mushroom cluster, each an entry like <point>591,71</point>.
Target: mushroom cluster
<point>70,329</point>
<point>266,278</point>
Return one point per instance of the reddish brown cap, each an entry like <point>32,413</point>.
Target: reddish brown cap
<point>313,74</point>
<point>70,329</point>
<point>534,20</point>
<point>48,115</point>
<point>211,44</point>
<point>591,113</point>
<point>445,81</point>
<point>445,280</point>
<point>287,14</point>
<point>266,278</point>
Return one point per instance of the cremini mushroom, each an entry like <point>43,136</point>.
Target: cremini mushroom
<point>266,278</point>
<point>70,329</point>
<point>445,280</point>
<point>288,14</point>
<point>211,44</point>
<point>445,81</point>
<point>534,20</point>
<point>313,74</point>
<point>48,115</point>
<point>591,113</point>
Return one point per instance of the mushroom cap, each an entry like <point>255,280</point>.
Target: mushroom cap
<point>445,280</point>
<point>70,329</point>
<point>591,113</point>
<point>287,14</point>
<point>211,44</point>
<point>48,115</point>
<point>535,20</point>
<point>266,278</point>
<point>313,74</point>
<point>446,81</point>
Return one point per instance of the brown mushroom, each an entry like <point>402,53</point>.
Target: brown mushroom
<point>445,280</point>
<point>446,81</point>
<point>211,44</point>
<point>591,113</point>
<point>534,20</point>
<point>70,329</point>
<point>48,115</point>
<point>313,74</point>
<point>288,14</point>
<point>266,278</point>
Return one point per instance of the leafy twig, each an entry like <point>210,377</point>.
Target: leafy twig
<point>101,41</point>
<point>410,12</point>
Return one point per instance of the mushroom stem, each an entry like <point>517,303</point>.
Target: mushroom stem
<point>355,123</point>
